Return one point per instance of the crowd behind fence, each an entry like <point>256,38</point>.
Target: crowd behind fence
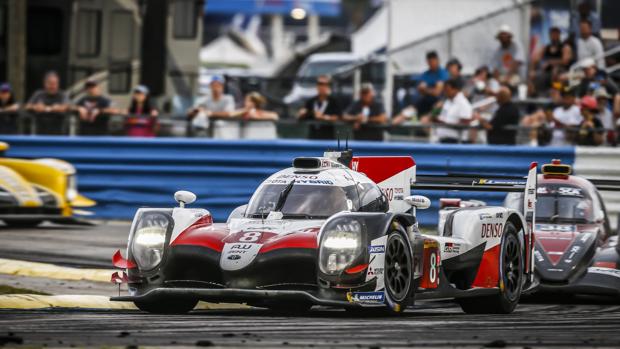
<point>564,96</point>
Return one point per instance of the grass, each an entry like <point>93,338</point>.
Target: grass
<point>4,289</point>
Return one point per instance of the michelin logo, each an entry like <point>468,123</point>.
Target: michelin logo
<point>376,249</point>
<point>367,297</point>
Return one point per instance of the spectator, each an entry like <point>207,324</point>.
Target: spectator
<point>142,114</point>
<point>508,62</point>
<point>253,109</point>
<point>482,85</point>
<point>8,110</point>
<point>49,106</point>
<point>505,116</point>
<point>555,58</point>
<point>93,110</point>
<point>540,123</point>
<point>323,107</point>
<point>430,84</point>
<point>589,46</point>
<point>217,105</point>
<point>585,12</point>
<point>604,113</point>
<point>456,110</point>
<point>364,113</point>
<point>454,68</point>
<point>590,128</point>
<point>565,117</point>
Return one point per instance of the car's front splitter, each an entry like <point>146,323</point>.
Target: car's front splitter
<point>238,295</point>
<point>597,281</point>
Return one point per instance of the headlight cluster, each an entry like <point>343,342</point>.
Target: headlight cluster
<point>342,242</point>
<point>149,239</point>
<point>71,188</point>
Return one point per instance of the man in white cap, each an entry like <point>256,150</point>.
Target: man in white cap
<point>217,105</point>
<point>508,62</point>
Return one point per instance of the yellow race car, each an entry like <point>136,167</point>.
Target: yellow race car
<point>33,191</point>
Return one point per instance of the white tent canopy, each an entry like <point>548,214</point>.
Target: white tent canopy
<point>464,29</point>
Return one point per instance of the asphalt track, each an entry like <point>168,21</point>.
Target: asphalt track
<point>551,322</point>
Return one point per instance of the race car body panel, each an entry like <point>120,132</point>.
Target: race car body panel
<point>36,190</point>
<point>323,233</point>
<point>575,252</point>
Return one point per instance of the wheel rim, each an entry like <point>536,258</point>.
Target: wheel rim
<point>397,268</point>
<point>511,268</point>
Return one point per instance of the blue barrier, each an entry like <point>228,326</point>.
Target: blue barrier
<point>122,174</point>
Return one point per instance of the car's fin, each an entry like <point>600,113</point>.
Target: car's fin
<point>119,262</point>
<point>529,211</point>
<point>393,174</point>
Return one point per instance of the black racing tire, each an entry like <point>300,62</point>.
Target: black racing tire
<point>167,306</point>
<point>398,270</point>
<point>22,223</point>
<point>511,272</point>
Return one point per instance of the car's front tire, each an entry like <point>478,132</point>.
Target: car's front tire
<point>167,306</point>
<point>398,270</point>
<point>511,278</point>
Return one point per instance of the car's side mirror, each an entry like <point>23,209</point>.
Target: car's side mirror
<point>418,201</point>
<point>184,197</point>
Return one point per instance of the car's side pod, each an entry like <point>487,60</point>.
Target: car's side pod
<point>501,183</point>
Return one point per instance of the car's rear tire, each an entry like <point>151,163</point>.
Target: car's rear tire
<point>22,223</point>
<point>398,270</point>
<point>511,279</point>
<point>167,306</point>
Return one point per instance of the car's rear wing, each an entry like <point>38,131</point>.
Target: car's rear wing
<point>469,183</point>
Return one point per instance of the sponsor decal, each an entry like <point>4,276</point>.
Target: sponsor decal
<point>374,272</point>
<point>484,216</point>
<point>376,249</point>
<point>234,257</point>
<point>366,297</point>
<point>499,215</point>
<point>538,255</point>
<point>492,230</point>
<point>555,227</point>
<point>451,247</point>
<point>604,271</point>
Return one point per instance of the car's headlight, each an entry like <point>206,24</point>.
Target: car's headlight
<point>149,239</point>
<point>71,188</point>
<point>341,244</point>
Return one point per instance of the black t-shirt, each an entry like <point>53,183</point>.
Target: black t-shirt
<point>145,109</point>
<point>94,102</point>
<point>375,108</point>
<point>506,115</point>
<point>586,135</point>
<point>329,106</point>
<point>367,132</point>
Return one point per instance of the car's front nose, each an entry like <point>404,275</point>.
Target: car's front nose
<point>561,257</point>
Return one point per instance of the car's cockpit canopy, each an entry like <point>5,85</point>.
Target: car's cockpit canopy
<point>316,195</point>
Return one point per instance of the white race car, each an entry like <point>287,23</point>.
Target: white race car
<point>335,231</point>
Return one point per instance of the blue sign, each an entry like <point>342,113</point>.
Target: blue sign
<point>324,8</point>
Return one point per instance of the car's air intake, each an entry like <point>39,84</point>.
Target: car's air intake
<point>307,163</point>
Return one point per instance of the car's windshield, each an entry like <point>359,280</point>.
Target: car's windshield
<point>303,201</point>
<point>558,204</point>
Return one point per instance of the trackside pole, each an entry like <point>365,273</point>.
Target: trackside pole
<point>529,210</point>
